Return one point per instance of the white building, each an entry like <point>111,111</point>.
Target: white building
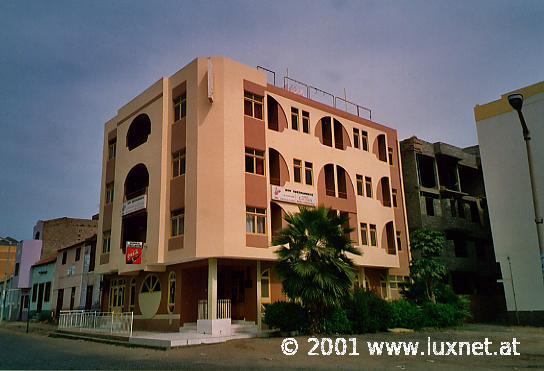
<point>510,202</point>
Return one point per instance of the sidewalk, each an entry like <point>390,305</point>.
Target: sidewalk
<point>39,328</point>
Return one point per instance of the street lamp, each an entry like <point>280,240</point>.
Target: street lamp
<point>516,101</point>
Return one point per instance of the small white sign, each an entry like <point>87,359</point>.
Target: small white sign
<point>293,196</point>
<point>135,204</point>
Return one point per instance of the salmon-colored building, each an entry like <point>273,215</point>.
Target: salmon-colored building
<point>199,169</point>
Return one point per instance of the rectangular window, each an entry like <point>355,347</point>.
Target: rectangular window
<point>364,140</point>
<point>368,184</point>
<point>297,170</point>
<point>309,173</point>
<point>360,191</point>
<point>16,273</point>
<point>78,254</point>
<point>373,235</point>
<point>390,155</point>
<point>34,292</point>
<point>294,118</point>
<point>356,141</point>
<point>255,220</point>
<point>179,163</point>
<point>64,256</point>
<point>253,105</point>
<point>106,243</point>
<point>394,193</point>
<point>254,161</point>
<point>112,147</point>
<point>306,122</point>
<point>47,292</point>
<point>364,234</point>
<point>180,107</point>
<point>429,206</point>
<point>109,193</point>
<point>177,222</point>
<point>399,242</point>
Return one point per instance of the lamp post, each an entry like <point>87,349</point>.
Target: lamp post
<point>516,101</point>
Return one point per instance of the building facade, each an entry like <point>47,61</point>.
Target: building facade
<point>42,274</point>
<point>510,199</point>
<point>61,232</point>
<point>76,286</point>
<point>8,248</point>
<point>198,171</point>
<point>444,190</point>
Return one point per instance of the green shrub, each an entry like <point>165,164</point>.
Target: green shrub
<point>405,314</point>
<point>337,322</point>
<point>440,315</point>
<point>286,316</point>
<point>367,312</point>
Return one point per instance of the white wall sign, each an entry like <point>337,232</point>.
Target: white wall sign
<point>135,204</point>
<point>293,196</point>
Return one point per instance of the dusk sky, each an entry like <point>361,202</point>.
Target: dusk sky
<point>66,67</point>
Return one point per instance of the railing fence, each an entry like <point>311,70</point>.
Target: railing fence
<point>94,321</point>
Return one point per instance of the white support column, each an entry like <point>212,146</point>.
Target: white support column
<point>212,288</point>
<point>258,285</point>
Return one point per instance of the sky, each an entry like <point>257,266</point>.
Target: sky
<point>67,66</point>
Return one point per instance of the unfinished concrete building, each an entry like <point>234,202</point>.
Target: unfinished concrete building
<point>445,191</point>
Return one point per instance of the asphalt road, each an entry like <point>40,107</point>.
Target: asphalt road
<point>19,350</point>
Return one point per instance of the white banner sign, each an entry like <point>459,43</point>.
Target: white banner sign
<point>135,204</point>
<point>293,196</point>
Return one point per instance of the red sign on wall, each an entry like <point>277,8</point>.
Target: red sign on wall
<point>134,252</point>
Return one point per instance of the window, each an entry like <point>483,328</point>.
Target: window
<point>171,292</point>
<point>265,285</point>
<point>34,292</point>
<point>253,105</point>
<point>151,284</point>
<point>294,118</point>
<point>139,131</point>
<point>109,193</point>
<point>373,235</point>
<point>106,242</point>
<point>117,294</point>
<point>112,146</point>
<point>368,184</point>
<point>360,185</point>
<point>16,273</point>
<point>396,282</point>
<point>309,173</point>
<point>297,174</point>
<point>177,222</point>
<point>254,161</point>
<point>132,295</point>
<point>47,292</point>
<point>364,140</point>
<point>390,155</point>
<point>429,206</point>
<point>356,141</point>
<point>364,234</point>
<point>305,122</point>
<point>72,298</point>
<point>255,220</point>
<point>64,256</point>
<point>399,242</point>
<point>394,192</point>
<point>78,254</point>
<point>178,163</point>
<point>180,107</point>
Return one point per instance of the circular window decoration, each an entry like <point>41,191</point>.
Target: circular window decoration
<point>150,296</point>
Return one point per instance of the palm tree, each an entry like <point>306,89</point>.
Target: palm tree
<point>312,261</point>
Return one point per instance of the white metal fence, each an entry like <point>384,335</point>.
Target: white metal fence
<point>93,321</point>
<point>223,309</point>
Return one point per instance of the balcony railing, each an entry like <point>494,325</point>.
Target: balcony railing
<point>224,308</point>
<point>93,321</point>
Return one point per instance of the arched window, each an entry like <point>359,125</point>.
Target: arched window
<point>132,295</point>
<point>265,286</point>
<point>139,130</point>
<point>151,284</point>
<point>171,292</point>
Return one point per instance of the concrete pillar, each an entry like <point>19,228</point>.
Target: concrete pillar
<point>258,285</point>
<point>212,288</point>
